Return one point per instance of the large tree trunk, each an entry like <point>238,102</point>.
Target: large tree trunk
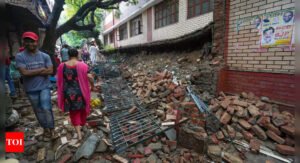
<point>49,46</point>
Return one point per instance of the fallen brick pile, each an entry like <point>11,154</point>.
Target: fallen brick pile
<point>247,117</point>
<point>159,92</point>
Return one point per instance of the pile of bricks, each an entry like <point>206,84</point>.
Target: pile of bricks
<point>160,93</point>
<point>247,117</point>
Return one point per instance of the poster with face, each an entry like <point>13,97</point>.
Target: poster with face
<point>277,29</point>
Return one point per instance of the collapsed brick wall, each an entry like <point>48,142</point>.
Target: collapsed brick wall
<point>189,67</point>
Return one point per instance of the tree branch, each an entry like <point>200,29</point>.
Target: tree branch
<point>83,11</point>
<point>54,16</point>
<point>84,27</point>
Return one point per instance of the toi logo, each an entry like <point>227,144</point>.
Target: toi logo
<point>14,142</point>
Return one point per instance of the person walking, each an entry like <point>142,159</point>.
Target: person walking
<point>93,52</point>
<point>85,53</point>
<point>35,68</point>
<point>73,82</point>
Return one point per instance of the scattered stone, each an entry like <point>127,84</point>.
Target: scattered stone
<point>120,159</point>
<point>140,148</point>
<point>166,149</point>
<point>41,154</point>
<point>102,147</point>
<point>87,149</point>
<point>231,158</point>
<point>214,152</point>
<point>155,146</point>
<point>171,134</point>
<point>220,135</point>
<point>147,151</point>
<point>152,158</point>
<point>50,156</point>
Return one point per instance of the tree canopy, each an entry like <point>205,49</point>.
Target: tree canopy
<point>81,15</point>
<point>76,38</point>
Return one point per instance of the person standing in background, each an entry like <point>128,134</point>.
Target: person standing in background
<point>93,52</point>
<point>8,78</point>
<point>85,53</point>
<point>64,53</point>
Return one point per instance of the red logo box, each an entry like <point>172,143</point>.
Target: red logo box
<point>14,142</point>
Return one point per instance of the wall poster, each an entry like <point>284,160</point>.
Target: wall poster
<point>276,28</point>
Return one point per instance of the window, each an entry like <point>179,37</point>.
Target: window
<point>199,7</point>
<point>105,39</point>
<point>166,13</point>
<point>123,34</point>
<point>112,37</point>
<point>136,26</point>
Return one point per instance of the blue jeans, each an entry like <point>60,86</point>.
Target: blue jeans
<point>42,107</point>
<point>9,81</point>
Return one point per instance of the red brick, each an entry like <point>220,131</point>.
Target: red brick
<point>275,137</point>
<point>220,135</point>
<point>231,131</point>
<point>285,150</point>
<point>252,120</point>
<point>241,112</point>
<point>230,109</point>
<point>289,130</point>
<point>139,92</point>
<point>135,156</point>
<point>225,118</point>
<point>214,139</point>
<point>263,121</point>
<point>65,158</point>
<point>154,88</point>
<point>254,111</point>
<point>255,145</point>
<point>214,107</point>
<point>289,141</point>
<point>273,128</point>
<point>132,110</point>
<point>225,103</point>
<point>259,132</point>
<point>240,103</point>
<point>247,135</point>
<point>188,104</point>
<point>219,113</point>
<point>278,120</point>
<point>245,124</point>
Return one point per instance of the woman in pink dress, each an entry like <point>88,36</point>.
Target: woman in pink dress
<point>73,87</point>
